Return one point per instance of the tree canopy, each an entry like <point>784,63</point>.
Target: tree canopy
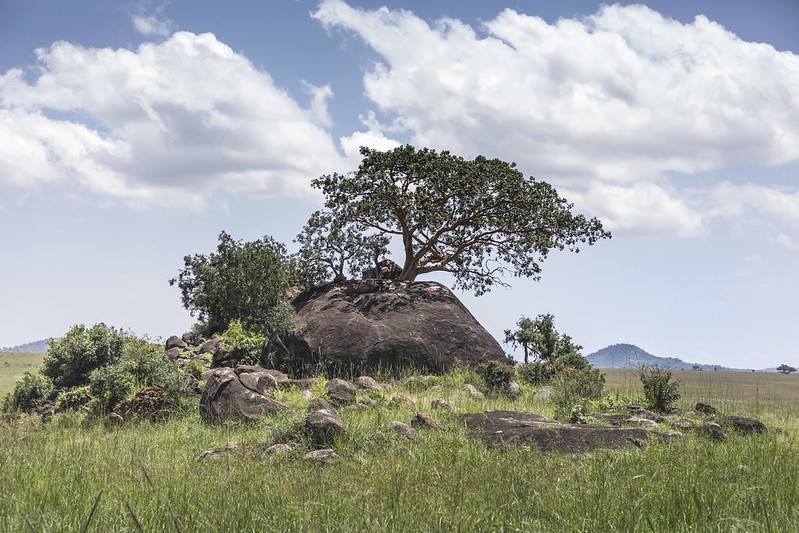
<point>540,338</point>
<point>247,281</point>
<point>785,369</point>
<point>477,219</point>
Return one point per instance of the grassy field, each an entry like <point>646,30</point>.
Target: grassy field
<point>13,366</point>
<point>72,475</point>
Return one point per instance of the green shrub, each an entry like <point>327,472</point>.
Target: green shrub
<point>73,399</point>
<point>72,358</point>
<point>244,346</point>
<point>497,376</point>
<point>573,387</point>
<point>29,393</point>
<point>194,368</point>
<point>661,390</point>
<point>142,365</point>
<point>537,373</point>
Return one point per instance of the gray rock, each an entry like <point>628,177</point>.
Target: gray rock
<point>746,426</point>
<point>680,423</point>
<point>317,404</point>
<point>175,342</point>
<point>513,390</point>
<point>226,398</point>
<point>323,426</point>
<point>279,449</point>
<point>367,402</point>
<point>706,408</point>
<point>643,423</point>
<point>324,456</point>
<point>403,430</point>
<point>714,430</point>
<point>402,400</point>
<point>366,325</point>
<point>174,353</point>
<point>191,339</point>
<point>340,391</point>
<point>423,421</point>
<point>501,428</point>
<point>302,384</point>
<point>441,403</point>
<point>260,382</point>
<point>210,346</point>
<point>367,383</point>
<point>543,394</point>
<point>473,392</point>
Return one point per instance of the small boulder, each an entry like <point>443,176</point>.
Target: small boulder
<point>317,404</point>
<point>279,449</point>
<point>226,398</point>
<point>323,426</point>
<point>324,456</point>
<point>746,426</point>
<point>441,403</point>
<point>367,383</point>
<point>174,353</point>
<point>191,339</point>
<point>402,400</point>
<point>148,404</point>
<point>643,423</point>
<point>473,392</point>
<point>513,390</point>
<point>714,430</point>
<point>340,391</point>
<point>706,408</point>
<point>423,421</point>
<point>175,342</point>
<point>543,394</point>
<point>302,384</point>
<point>403,430</point>
<point>210,346</point>
<point>260,382</point>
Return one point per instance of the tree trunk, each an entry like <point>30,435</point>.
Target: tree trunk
<point>526,354</point>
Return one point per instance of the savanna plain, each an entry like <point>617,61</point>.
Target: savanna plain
<point>73,474</point>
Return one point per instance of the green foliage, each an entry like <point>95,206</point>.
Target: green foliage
<point>73,399</point>
<point>661,390</point>
<point>194,368</point>
<point>141,365</point>
<point>540,338</point>
<point>246,281</point>
<point>476,219</point>
<point>497,376</point>
<point>572,388</point>
<point>244,346</point>
<point>72,358</point>
<point>29,393</point>
<point>330,249</point>
<point>536,373</point>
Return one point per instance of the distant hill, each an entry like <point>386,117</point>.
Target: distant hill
<point>32,347</point>
<point>631,356</point>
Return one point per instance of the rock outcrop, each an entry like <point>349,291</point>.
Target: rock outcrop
<point>497,428</point>
<point>229,397</point>
<point>360,326</point>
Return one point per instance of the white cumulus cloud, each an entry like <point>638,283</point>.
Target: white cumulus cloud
<point>149,25</point>
<point>187,115</point>
<point>609,106</point>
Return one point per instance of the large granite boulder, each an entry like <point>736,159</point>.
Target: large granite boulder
<point>360,326</point>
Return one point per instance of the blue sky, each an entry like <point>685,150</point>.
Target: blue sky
<point>132,133</point>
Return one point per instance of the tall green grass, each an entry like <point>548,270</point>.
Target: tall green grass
<point>74,476</point>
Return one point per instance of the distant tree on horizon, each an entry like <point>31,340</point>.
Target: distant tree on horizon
<point>785,369</point>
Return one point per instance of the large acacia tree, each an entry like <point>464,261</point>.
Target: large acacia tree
<point>477,219</point>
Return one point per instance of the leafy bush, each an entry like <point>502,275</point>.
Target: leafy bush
<point>71,359</point>
<point>29,393</point>
<point>573,387</point>
<point>497,376</point>
<point>194,368</point>
<point>537,373</point>
<point>246,281</point>
<point>73,399</point>
<point>142,365</point>
<point>661,390</point>
<point>244,346</point>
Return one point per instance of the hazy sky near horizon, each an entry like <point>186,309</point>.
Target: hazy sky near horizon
<point>133,132</point>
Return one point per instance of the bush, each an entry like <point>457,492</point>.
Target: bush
<point>572,388</point>
<point>71,359</point>
<point>497,376</point>
<point>29,393</point>
<point>661,390</point>
<point>244,346</point>
<point>141,365</point>
<point>73,399</point>
<point>537,373</point>
<point>194,368</point>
